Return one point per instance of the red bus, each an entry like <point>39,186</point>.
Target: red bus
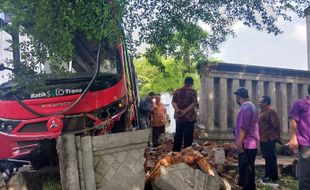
<point>98,95</point>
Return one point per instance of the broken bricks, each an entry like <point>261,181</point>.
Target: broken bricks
<point>200,157</point>
<point>182,176</point>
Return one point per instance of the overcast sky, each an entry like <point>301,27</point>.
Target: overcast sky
<point>252,47</point>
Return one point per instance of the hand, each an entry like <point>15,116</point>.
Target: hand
<point>180,113</point>
<point>239,147</point>
<point>293,144</point>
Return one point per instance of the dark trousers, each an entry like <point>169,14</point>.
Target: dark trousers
<point>183,130</point>
<point>268,150</point>
<point>156,132</point>
<point>304,167</point>
<point>246,166</point>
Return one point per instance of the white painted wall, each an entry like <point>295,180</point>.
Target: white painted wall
<point>166,98</point>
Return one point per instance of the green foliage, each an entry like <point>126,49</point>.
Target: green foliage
<point>160,20</point>
<point>53,23</point>
<point>172,28</point>
<point>152,79</point>
<point>184,45</point>
<point>49,27</point>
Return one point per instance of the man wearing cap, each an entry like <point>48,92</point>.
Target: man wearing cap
<point>246,139</point>
<point>300,138</point>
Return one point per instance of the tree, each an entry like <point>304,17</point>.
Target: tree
<point>185,46</point>
<point>50,26</point>
<point>153,79</point>
<point>53,23</point>
<point>159,20</point>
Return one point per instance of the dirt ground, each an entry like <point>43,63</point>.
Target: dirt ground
<point>285,183</point>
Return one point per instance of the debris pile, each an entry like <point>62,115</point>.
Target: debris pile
<point>207,157</point>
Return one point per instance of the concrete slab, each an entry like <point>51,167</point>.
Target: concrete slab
<point>182,176</point>
<point>119,159</point>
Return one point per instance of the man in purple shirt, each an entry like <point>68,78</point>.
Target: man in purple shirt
<point>246,139</point>
<point>300,138</point>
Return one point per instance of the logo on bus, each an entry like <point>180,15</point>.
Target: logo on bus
<point>54,124</point>
<point>56,92</point>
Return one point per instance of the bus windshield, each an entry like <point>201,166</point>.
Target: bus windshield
<point>85,57</point>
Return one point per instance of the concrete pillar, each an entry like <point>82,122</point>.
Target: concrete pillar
<point>203,109</point>
<point>255,98</point>
<point>210,103</point>
<point>305,90</point>
<point>223,104</point>
<point>307,12</point>
<point>68,163</point>
<point>234,87</point>
<point>248,85</point>
<point>294,93</point>
<point>260,89</point>
<point>272,94</point>
<point>283,113</point>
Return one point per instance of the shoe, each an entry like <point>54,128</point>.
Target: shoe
<point>263,178</point>
<point>269,182</point>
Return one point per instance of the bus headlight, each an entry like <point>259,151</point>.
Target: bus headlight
<point>7,125</point>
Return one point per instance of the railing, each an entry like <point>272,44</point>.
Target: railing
<point>218,108</point>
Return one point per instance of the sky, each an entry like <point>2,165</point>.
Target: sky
<point>253,47</point>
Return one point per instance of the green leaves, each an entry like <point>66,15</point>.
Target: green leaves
<point>160,20</point>
<point>152,79</point>
<point>53,23</point>
<point>49,27</point>
<point>185,30</point>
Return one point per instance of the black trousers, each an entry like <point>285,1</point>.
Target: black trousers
<point>269,154</point>
<point>246,166</point>
<point>156,132</point>
<point>304,167</point>
<point>183,130</point>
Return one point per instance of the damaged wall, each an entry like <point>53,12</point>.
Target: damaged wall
<point>113,161</point>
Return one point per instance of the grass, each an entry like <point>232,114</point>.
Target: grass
<point>285,182</point>
<point>51,184</point>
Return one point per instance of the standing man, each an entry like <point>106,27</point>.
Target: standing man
<point>159,120</point>
<point>300,138</point>
<point>184,102</point>
<point>145,109</point>
<point>246,139</point>
<point>269,133</point>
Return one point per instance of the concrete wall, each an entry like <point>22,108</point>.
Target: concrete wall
<point>218,109</point>
<point>111,161</point>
